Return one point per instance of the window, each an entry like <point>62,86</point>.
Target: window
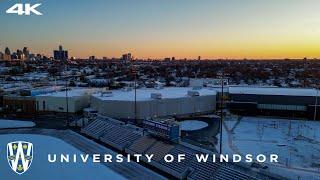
<point>282,107</point>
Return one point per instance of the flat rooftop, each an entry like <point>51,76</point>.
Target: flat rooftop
<point>77,92</point>
<point>145,94</point>
<point>273,91</point>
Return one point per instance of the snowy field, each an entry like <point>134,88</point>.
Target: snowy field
<point>41,169</point>
<point>15,124</point>
<point>296,142</point>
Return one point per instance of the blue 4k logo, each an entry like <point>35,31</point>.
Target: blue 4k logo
<point>20,155</point>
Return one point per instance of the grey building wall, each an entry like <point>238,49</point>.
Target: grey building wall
<point>154,107</point>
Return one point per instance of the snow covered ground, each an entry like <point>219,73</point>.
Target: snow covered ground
<point>42,169</point>
<point>15,124</point>
<point>192,125</point>
<point>297,143</point>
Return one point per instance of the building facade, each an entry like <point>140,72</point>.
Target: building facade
<point>289,102</point>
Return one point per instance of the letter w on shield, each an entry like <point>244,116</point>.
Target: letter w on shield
<point>20,155</point>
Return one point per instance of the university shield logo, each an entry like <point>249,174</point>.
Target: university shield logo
<point>20,155</point>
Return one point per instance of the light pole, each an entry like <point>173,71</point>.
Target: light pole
<point>135,96</point>
<point>315,106</point>
<point>134,71</point>
<point>67,103</point>
<point>221,75</point>
<point>67,99</point>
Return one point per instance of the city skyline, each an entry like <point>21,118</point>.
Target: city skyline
<point>154,29</point>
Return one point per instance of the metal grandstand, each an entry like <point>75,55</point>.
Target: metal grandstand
<point>132,141</point>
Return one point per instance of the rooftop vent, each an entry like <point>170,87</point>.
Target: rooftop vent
<point>128,89</point>
<point>156,95</point>
<point>196,87</point>
<point>158,87</point>
<point>106,94</point>
<point>193,93</point>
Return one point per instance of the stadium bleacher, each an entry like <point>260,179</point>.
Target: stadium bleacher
<point>119,137</point>
<point>96,128</point>
<point>142,145</point>
<point>160,149</point>
<point>131,141</point>
<point>112,133</point>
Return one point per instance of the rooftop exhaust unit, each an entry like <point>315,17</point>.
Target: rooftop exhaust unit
<point>196,87</point>
<point>156,95</point>
<point>106,94</point>
<point>193,93</point>
<point>128,89</point>
<point>158,87</point>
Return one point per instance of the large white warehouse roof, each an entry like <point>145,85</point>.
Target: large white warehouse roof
<point>145,94</point>
<point>77,92</point>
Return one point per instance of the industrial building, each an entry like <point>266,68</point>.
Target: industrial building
<point>77,98</point>
<point>154,103</point>
<point>20,107</point>
<point>290,102</point>
<point>20,102</point>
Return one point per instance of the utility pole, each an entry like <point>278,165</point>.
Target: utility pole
<point>67,99</point>
<point>315,106</point>
<point>134,71</point>
<point>221,119</point>
<point>135,96</point>
<point>221,75</point>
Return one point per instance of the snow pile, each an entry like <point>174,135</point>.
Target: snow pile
<point>15,124</point>
<point>192,125</point>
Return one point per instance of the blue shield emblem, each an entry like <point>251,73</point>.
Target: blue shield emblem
<point>20,155</point>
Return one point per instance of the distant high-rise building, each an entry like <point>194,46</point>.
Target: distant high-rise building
<point>32,57</point>
<point>173,58</point>
<point>7,51</point>
<point>19,54</point>
<point>26,53</point>
<point>127,57</point>
<point>92,58</point>
<point>60,54</point>
<point>167,59</point>
<point>124,57</point>
<point>1,56</point>
<point>199,58</point>
<point>7,54</point>
<point>14,56</point>
<point>38,57</point>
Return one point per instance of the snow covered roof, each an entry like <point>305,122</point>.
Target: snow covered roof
<point>145,94</point>
<point>4,123</point>
<point>72,92</point>
<point>273,91</point>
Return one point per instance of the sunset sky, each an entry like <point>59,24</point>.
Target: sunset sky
<point>164,28</point>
